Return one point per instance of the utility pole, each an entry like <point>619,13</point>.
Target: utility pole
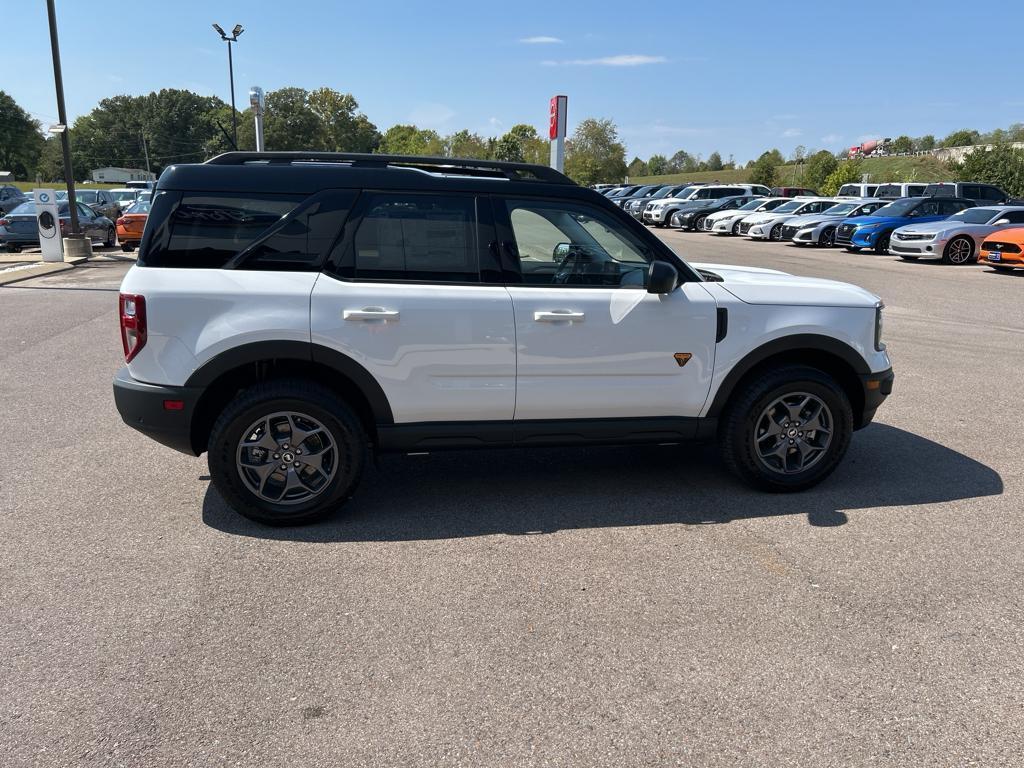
<point>65,140</point>
<point>257,101</point>
<point>145,151</point>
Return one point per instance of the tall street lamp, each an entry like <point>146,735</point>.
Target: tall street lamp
<point>231,73</point>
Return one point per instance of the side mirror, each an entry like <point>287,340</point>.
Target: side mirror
<point>662,277</point>
<point>560,252</point>
<point>1001,221</point>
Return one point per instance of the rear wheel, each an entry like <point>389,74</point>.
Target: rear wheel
<point>960,250</point>
<point>286,452</point>
<point>787,429</point>
<point>111,238</point>
<point>827,238</point>
<point>127,247</point>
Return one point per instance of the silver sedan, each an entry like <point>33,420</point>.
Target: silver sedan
<point>955,240</point>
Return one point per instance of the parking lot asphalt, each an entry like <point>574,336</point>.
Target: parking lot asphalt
<point>614,606</point>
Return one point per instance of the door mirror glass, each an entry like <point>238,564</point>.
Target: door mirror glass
<point>1002,221</point>
<point>662,277</point>
<point>560,252</point>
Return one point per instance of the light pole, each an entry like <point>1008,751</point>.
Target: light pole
<point>231,73</point>
<point>65,142</point>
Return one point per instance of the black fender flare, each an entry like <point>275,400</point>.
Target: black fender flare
<point>809,342</point>
<point>261,351</point>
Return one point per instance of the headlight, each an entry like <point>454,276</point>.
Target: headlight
<point>810,224</point>
<point>867,227</point>
<point>879,344</point>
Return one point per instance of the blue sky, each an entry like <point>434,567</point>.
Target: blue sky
<point>737,77</point>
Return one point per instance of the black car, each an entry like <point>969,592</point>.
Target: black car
<point>10,198</point>
<point>692,217</point>
<point>19,228</point>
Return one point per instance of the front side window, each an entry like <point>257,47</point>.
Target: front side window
<point>571,245</point>
<point>417,237</point>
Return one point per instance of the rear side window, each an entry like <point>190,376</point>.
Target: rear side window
<point>417,237</point>
<point>205,231</point>
<point>991,193</point>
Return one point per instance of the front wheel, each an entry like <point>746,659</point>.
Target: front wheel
<point>736,228</point>
<point>775,233</point>
<point>960,250</point>
<point>111,238</point>
<point>882,244</point>
<point>698,223</point>
<point>286,452</point>
<point>827,238</point>
<point>787,429</point>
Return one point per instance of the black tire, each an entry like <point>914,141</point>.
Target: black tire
<point>736,432</point>
<point>736,228</point>
<point>111,238</point>
<point>827,238</point>
<point>775,234</point>
<point>948,256</point>
<point>882,243</point>
<point>304,397</point>
<point>127,247</point>
<point>697,224</point>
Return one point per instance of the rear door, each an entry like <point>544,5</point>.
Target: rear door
<point>413,294</point>
<point>592,343</point>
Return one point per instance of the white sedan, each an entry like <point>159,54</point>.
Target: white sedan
<point>768,225</point>
<point>727,222</point>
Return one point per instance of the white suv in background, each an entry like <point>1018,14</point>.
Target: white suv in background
<point>292,313</point>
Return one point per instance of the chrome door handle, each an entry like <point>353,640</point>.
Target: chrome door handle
<point>558,315</point>
<point>370,313</point>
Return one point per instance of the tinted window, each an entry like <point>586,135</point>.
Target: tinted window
<point>207,230</point>
<point>849,189</point>
<point>572,245</point>
<point>1013,217</point>
<point>971,191</point>
<point>915,190</point>
<point>992,193</point>
<point>417,237</point>
<point>871,190</point>
<point>299,242</point>
<point>933,208</point>
<point>949,207</point>
<point>86,195</point>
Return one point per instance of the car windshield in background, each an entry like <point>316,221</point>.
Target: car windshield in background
<point>666,192</point>
<point>840,208</point>
<point>792,205</point>
<point>975,215</point>
<point>646,191</point>
<point>86,196</point>
<point>898,208</point>
<point>140,207</point>
<point>128,196</point>
<point>751,206</point>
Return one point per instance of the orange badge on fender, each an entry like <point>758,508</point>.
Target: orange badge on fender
<point>682,358</point>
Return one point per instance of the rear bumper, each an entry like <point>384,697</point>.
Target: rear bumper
<point>876,387</point>
<point>142,406</point>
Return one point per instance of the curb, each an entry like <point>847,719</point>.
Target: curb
<point>17,274</point>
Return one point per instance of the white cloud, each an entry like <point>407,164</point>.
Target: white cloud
<point>429,115</point>
<point>622,60</point>
<point>792,133</point>
<point>540,40</point>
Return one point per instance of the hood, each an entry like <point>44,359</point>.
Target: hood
<point>765,216</point>
<point>807,219</point>
<point>754,285</point>
<point>934,227</point>
<point>719,215</point>
<point>860,221</point>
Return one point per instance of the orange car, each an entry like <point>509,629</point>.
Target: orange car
<point>131,224</point>
<point>1004,250</point>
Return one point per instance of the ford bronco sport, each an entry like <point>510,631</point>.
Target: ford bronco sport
<point>292,312</point>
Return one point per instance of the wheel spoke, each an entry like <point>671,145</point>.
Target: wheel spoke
<point>793,433</point>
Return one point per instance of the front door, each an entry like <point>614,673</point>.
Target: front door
<point>591,342</point>
<point>410,297</point>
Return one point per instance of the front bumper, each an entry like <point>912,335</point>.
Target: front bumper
<point>876,387</point>
<point>144,407</point>
<point>656,215</point>
<point>1015,260</point>
<point>917,247</point>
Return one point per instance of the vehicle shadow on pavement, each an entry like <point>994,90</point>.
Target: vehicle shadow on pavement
<point>478,493</point>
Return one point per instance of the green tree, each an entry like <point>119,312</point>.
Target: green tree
<point>343,128</point>
<point>466,144</point>
<point>682,162</point>
<point>763,169</point>
<point>410,140</point>
<point>848,172</point>
<point>1002,166</point>
<point>51,161</point>
<point>522,144</point>
<point>21,143</point>
<point>637,168</point>
<point>901,145</point>
<point>799,153</point>
<point>775,156</point>
<point>657,165</point>
<point>819,166</point>
<point>594,153</point>
<point>715,162</point>
<point>962,138</point>
<point>925,143</point>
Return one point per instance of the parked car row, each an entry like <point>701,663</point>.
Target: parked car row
<point>953,221</point>
<point>19,229</point>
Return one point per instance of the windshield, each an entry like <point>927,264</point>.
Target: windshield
<point>646,191</point>
<point>86,195</point>
<point>840,208</point>
<point>666,192</point>
<point>849,189</point>
<point>124,196</point>
<point>975,215</point>
<point>898,208</point>
<point>792,205</point>
<point>753,205</point>
<point>140,207</point>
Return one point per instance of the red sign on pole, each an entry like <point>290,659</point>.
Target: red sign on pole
<point>556,123</point>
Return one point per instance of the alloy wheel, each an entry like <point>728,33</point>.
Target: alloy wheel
<point>793,433</point>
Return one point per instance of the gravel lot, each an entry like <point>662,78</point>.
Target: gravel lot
<point>624,607</point>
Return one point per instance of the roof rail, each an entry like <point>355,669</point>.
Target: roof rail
<point>463,166</point>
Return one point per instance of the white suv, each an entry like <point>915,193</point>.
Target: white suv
<point>291,312</point>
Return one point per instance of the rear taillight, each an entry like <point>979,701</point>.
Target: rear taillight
<point>122,221</point>
<point>4,223</point>
<point>132,310</point>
